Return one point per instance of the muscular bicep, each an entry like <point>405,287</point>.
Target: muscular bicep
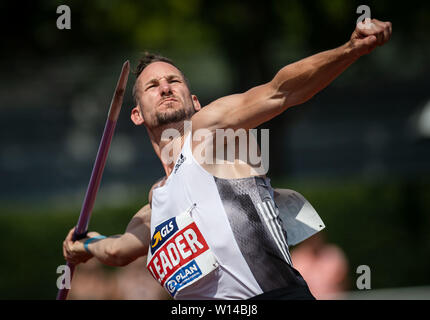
<point>294,84</point>
<point>245,110</point>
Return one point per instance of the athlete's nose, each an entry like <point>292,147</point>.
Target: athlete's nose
<point>165,88</point>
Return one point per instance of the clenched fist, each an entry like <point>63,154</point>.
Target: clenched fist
<point>74,251</point>
<point>369,34</point>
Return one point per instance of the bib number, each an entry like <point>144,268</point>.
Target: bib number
<point>179,255</point>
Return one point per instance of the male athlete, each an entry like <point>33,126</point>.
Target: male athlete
<point>211,229</point>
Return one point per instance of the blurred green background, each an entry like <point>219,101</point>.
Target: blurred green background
<point>359,151</point>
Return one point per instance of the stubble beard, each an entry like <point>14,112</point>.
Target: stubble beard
<point>172,114</point>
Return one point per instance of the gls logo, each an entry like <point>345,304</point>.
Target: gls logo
<point>162,232</point>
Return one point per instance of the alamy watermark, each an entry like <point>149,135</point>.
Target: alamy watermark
<point>64,21</point>
<point>364,280</point>
<point>364,21</point>
<point>63,281</point>
<point>220,147</point>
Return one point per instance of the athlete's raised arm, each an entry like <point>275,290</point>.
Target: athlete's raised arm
<point>292,85</point>
<point>118,250</point>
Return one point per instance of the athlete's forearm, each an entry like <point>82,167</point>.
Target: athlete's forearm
<point>108,251</point>
<point>300,81</point>
<point>121,250</point>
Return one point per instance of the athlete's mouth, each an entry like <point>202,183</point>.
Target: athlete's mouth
<point>168,100</point>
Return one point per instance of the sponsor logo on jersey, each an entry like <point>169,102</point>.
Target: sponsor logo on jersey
<point>183,276</point>
<point>162,233</point>
<point>181,160</point>
<point>179,255</point>
<point>175,252</point>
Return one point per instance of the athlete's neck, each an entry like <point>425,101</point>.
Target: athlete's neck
<point>167,141</point>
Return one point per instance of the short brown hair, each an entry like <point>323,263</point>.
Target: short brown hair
<point>149,58</point>
<point>145,61</point>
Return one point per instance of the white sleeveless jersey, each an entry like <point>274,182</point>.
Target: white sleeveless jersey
<point>216,238</point>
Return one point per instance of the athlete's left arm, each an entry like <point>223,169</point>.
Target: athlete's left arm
<point>292,85</point>
<point>116,251</point>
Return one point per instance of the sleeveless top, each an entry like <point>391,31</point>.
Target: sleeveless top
<point>214,238</point>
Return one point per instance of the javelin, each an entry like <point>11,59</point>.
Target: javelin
<point>96,175</point>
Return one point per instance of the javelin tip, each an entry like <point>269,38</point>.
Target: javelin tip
<point>126,65</point>
<point>119,92</point>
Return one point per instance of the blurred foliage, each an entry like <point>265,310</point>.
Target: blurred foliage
<point>245,32</point>
<point>382,225</point>
<point>34,246</point>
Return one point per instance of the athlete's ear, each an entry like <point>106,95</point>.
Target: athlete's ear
<point>136,116</point>
<point>196,103</point>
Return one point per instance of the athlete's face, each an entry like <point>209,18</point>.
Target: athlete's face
<point>162,96</point>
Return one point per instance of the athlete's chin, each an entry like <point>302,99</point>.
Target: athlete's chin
<point>171,116</point>
<point>169,107</point>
